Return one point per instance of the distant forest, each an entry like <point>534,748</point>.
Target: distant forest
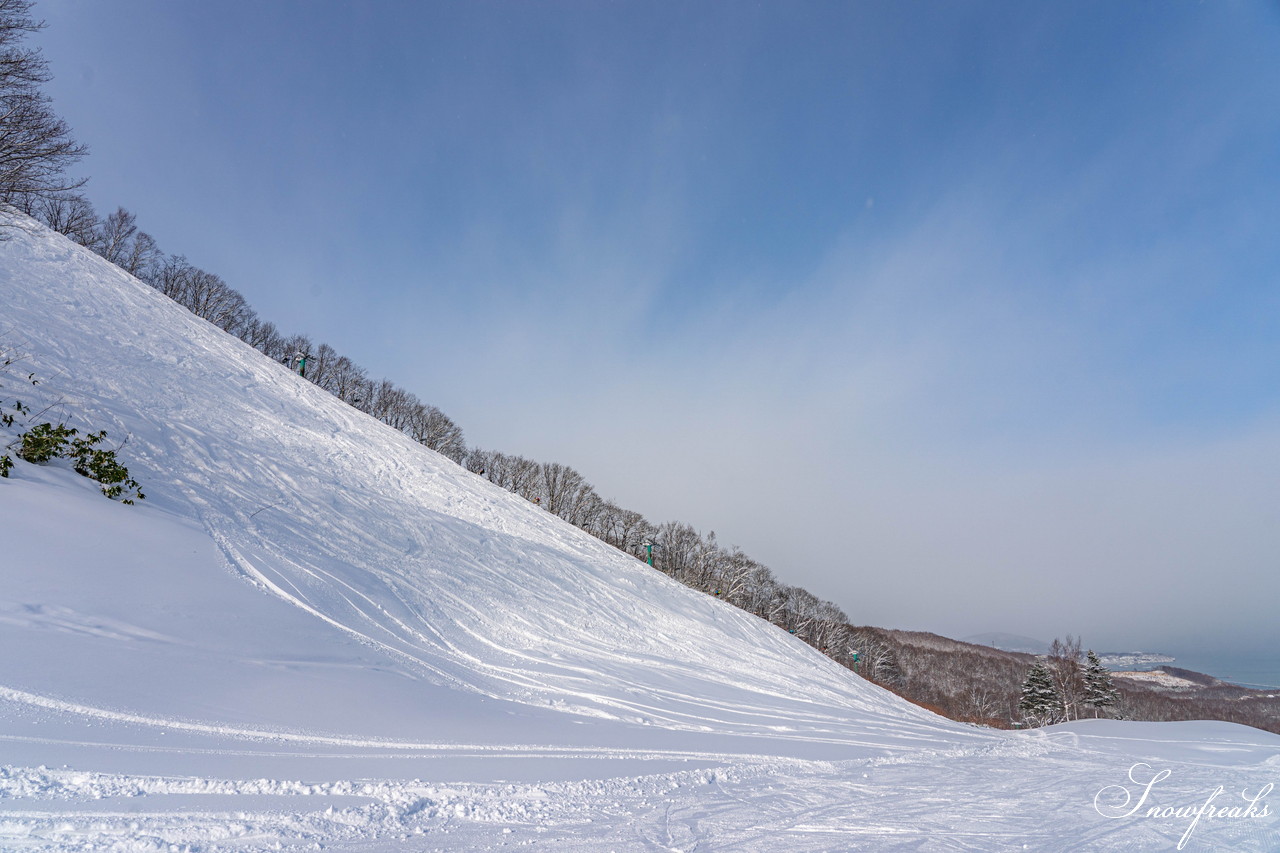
<point>986,686</point>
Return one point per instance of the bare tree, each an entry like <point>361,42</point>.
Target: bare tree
<point>779,606</point>
<point>262,336</point>
<point>215,301</point>
<point>320,362</point>
<point>118,239</point>
<point>1063,664</point>
<point>624,529</point>
<point>35,144</point>
<point>764,593</point>
<point>521,475</point>
<point>877,658</point>
<point>556,485</point>
<point>800,612</point>
<point>143,254</point>
<point>477,462</point>
<point>584,508</point>
<point>115,235</point>
<point>707,566</point>
<point>513,473</point>
<point>169,277</point>
<point>830,629</point>
<point>393,405</point>
<point>565,492</point>
<point>431,427</point>
<point>742,579</point>
<point>679,546</point>
<point>67,213</point>
<point>347,381</point>
<point>295,345</point>
<point>202,293</point>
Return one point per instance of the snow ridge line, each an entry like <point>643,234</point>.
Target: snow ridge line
<point>521,750</point>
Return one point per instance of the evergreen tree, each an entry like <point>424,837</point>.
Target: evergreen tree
<point>1099,691</point>
<point>1040,700</point>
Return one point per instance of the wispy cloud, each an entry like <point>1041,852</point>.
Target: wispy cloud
<point>966,321</point>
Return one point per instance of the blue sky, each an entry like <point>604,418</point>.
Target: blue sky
<point>963,315</point>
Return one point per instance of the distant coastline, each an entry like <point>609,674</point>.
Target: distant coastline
<point>1253,672</point>
<point>1257,671</point>
<point>1135,661</point>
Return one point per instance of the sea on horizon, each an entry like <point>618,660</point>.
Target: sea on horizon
<point>1256,671</point>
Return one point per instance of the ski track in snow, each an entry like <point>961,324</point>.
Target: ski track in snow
<point>316,634</point>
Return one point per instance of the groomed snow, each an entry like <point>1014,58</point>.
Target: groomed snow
<point>315,632</point>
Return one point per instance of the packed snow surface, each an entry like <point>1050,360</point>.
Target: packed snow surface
<point>314,633</point>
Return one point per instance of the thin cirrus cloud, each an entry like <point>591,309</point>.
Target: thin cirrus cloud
<point>964,319</point>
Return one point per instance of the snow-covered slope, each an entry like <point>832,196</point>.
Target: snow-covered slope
<point>308,594</point>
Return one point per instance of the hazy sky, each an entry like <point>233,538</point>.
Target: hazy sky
<point>964,315</point>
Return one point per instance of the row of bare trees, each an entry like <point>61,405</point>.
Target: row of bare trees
<point>205,294</point>
<point>35,149</point>
<point>677,549</point>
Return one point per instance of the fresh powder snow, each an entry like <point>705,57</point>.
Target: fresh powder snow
<point>314,633</point>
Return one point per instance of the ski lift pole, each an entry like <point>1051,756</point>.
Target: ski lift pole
<point>650,546</point>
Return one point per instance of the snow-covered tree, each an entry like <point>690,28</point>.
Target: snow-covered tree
<point>1040,703</point>
<point>1099,691</point>
<point>877,659</point>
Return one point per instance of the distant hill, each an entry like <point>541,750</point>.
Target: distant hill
<point>1009,643</point>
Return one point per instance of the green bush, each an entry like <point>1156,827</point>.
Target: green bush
<point>103,467</point>
<point>7,418</point>
<point>45,442</point>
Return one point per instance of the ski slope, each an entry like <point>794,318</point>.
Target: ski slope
<point>315,631</point>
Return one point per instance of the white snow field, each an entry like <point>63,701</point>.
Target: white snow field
<point>316,634</point>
